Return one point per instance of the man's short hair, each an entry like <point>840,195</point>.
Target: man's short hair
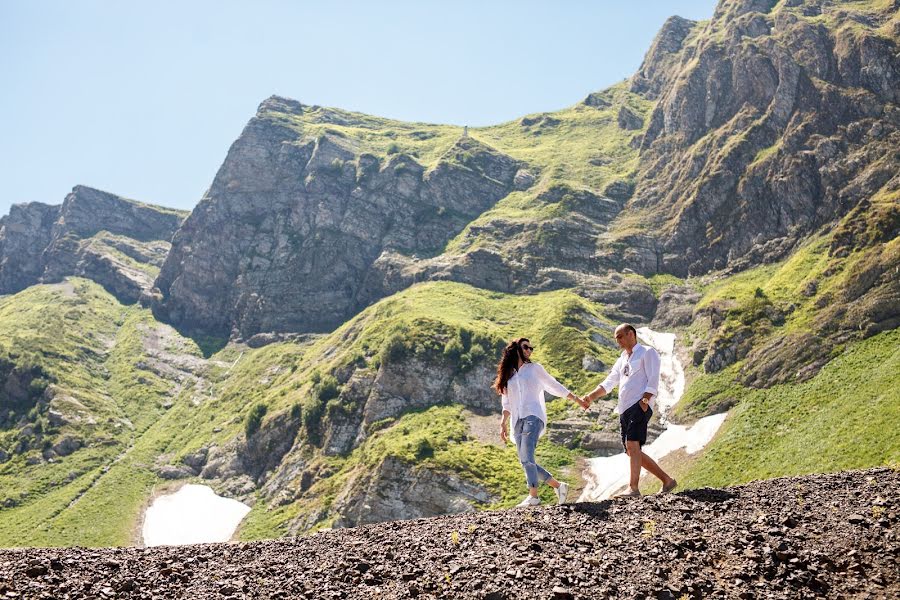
<point>630,327</point>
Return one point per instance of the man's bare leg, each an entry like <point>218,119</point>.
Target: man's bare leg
<point>650,464</point>
<point>633,449</point>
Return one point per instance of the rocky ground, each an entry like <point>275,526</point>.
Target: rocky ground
<point>829,536</point>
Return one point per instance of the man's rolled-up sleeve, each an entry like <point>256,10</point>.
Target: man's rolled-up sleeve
<point>612,380</point>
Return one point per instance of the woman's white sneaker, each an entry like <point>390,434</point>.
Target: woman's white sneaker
<point>561,492</point>
<point>530,501</point>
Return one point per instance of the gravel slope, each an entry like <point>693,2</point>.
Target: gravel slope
<point>817,536</point>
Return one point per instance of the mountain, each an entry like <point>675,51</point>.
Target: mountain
<point>317,337</point>
<point>117,242</point>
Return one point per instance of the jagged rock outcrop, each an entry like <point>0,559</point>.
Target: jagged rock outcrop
<point>661,61</point>
<point>565,256</point>
<point>293,222</point>
<point>774,124</point>
<point>412,383</point>
<point>397,490</point>
<point>117,242</point>
<point>767,125</point>
<point>278,453</point>
<point>736,141</point>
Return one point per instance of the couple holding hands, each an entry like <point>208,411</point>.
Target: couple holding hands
<point>522,383</point>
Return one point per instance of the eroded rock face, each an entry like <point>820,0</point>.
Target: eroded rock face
<point>277,458</point>
<point>771,126</point>
<point>293,223</point>
<point>24,234</point>
<point>118,243</point>
<point>661,60</point>
<point>398,490</point>
<point>87,211</point>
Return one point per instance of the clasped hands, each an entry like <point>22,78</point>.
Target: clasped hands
<point>586,401</point>
<point>582,401</point>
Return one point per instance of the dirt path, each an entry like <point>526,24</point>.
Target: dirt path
<point>831,536</point>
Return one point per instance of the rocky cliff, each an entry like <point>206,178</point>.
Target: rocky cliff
<point>774,121</point>
<point>296,217</point>
<point>118,242</point>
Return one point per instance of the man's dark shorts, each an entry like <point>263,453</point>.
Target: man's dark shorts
<point>634,424</point>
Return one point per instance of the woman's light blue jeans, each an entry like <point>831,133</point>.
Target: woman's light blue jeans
<point>527,431</point>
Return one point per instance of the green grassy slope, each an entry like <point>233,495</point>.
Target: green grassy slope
<point>134,415</point>
<point>843,418</point>
<point>133,419</point>
<point>92,348</point>
<point>824,305</point>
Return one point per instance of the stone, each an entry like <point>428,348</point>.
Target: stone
<point>36,570</point>
<point>591,363</point>
<point>67,445</point>
<point>628,119</point>
<point>326,229</point>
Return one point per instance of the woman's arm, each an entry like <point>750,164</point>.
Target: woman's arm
<point>552,386</point>
<point>504,418</point>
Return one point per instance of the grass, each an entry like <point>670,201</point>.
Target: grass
<point>580,146</point>
<point>764,154</point>
<point>95,496</point>
<point>427,319</point>
<point>361,133</point>
<point>843,418</point>
<point>106,243</point>
<point>571,138</point>
<point>93,348</point>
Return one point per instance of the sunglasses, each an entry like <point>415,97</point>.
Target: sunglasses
<point>527,347</point>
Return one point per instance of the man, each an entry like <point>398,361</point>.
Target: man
<point>636,372</point>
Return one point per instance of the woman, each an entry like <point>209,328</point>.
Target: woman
<point>521,385</point>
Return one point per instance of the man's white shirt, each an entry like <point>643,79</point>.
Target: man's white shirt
<point>635,375</point>
<point>525,394</point>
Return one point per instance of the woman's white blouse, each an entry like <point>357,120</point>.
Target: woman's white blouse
<point>525,394</point>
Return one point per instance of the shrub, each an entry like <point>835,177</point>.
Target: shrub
<point>37,386</point>
<point>312,421</point>
<point>454,349</point>
<point>328,388</point>
<point>336,166</point>
<point>393,349</point>
<point>424,449</point>
<point>254,419</point>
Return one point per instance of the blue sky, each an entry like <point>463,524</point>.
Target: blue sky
<point>143,99</point>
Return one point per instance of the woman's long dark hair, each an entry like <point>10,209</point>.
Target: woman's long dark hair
<point>509,364</point>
